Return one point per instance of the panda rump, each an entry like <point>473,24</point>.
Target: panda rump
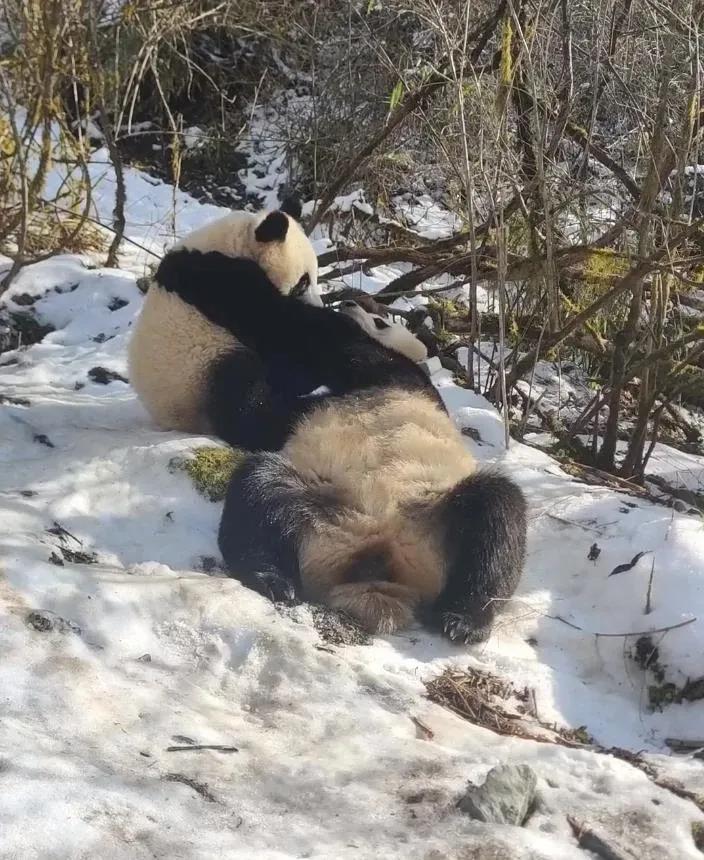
<point>375,507</point>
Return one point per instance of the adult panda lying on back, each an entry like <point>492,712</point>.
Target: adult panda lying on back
<point>196,377</point>
<point>373,506</point>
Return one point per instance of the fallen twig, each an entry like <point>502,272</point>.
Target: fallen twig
<point>574,523</point>
<point>218,747</point>
<point>649,593</point>
<point>631,633</point>
<point>478,696</point>
<point>60,532</point>
<point>200,788</point>
<point>590,840</point>
<point>427,733</point>
<point>598,478</point>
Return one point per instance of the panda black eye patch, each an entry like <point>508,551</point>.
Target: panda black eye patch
<point>301,286</point>
<point>380,324</point>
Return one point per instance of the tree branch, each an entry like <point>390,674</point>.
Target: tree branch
<point>437,80</point>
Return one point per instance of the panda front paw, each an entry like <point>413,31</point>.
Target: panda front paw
<point>274,586</point>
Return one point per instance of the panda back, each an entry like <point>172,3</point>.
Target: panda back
<point>229,235</point>
<point>171,353</point>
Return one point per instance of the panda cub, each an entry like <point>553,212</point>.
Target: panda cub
<point>393,335</point>
<point>193,375</point>
<point>374,506</point>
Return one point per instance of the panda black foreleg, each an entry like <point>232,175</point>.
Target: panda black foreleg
<point>265,515</point>
<point>483,521</point>
<point>243,409</point>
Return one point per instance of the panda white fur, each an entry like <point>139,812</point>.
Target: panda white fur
<point>194,376</point>
<point>393,335</point>
<point>374,505</point>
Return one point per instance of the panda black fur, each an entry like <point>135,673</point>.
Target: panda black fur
<point>374,505</point>
<point>194,376</point>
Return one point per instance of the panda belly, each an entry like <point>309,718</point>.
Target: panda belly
<point>172,351</point>
<point>380,463</point>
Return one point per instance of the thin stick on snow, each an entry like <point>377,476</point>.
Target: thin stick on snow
<point>629,633</point>
<point>649,594</point>
<point>534,704</point>
<point>596,633</point>
<point>427,733</point>
<point>590,840</point>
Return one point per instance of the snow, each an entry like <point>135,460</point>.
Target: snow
<point>156,213</point>
<point>330,762</point>
<point>343,203</point>
<point>193,137</point>
<point>678,468</point>
<point>270,165</point>
<point>89,128</point>
<point>426,217</point>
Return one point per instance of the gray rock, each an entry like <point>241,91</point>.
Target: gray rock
<point>505,797</point>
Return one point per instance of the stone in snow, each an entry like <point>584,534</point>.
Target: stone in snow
<point>505,797</point>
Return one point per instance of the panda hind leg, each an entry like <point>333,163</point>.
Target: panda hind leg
<point>267,511</point>
<point>483,525</point>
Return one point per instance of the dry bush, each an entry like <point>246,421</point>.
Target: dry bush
<point>34,134</point>
<point>566,136</point>
<point>72,70</point>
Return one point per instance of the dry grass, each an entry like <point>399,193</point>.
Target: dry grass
<point>495,704</point>
<point>62,232</point>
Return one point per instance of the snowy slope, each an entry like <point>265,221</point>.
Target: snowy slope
<point>145,650</point>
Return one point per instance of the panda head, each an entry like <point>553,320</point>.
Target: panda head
<point>285,253</point>
<point>273,239</point>
<point>393,335</point>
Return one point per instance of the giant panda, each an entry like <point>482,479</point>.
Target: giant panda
<point>194,376</point>
<point>373,506</point>
<point>393,335</point>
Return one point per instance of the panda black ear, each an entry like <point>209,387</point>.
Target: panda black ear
<point>273,228</point>
<point>380,324</point>
<point>291,205</point>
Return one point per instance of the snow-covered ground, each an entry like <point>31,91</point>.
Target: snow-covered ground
<point>426,217</point>
<point>139,651</point>
<point>145,649</point>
